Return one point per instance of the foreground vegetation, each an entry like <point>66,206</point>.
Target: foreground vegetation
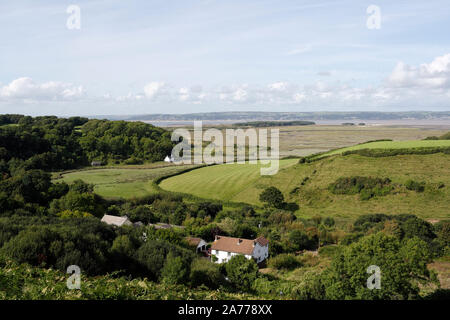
<point>48,225</point>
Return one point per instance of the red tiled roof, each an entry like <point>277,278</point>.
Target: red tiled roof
<point>262,241</point>
<point>237,245</point>
<point>228,244</point>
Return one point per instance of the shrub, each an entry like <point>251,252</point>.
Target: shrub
<point>395,152</point>
<point>299,240</point>
<point>403,265</point>
<point>284,261</point>
<point>176,269</point>
<point>311,287</point>
<point>367,221</point>
<point>60,247</point>
<point>241,272</point>
<point>206,273</point>
<point>273,197</point>
<point>73,214</point>
<point>367,187</point>
<point>329,251</point>
<point>152,256</point>
<point>415,185</point>
<point>133,160</point>
<point>329,222</point>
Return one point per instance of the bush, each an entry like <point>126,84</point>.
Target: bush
<point>73,214</point>
<point>284,261</point>
<point>329,222</point>
<point>329,251</point>
<point>311,287</point>
<point>367,187</point>
<point>241,272</point>
<point>133,160</point>
<point>395,152</point>
<point>367,221</point>
<point>415,185</point>
<point>206,273</point>
<point>299,240</point>
<point>273,197</point>
<point>403,265</point>
<point>60,247</point>
<point>175,270</point>
<point>152,256</point>
<point>83,202</point>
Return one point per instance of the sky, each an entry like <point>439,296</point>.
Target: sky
<point>112,57</point>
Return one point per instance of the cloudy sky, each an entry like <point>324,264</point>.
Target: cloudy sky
<point>183,56</point>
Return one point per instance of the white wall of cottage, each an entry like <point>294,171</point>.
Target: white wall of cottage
<point>259,254</point>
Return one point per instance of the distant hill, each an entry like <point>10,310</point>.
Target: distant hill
<point>276,116</point>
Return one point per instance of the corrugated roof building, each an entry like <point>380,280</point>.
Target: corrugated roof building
<point>116,221</point>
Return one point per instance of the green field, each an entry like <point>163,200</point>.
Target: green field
<point>222,182</point>
<point>242,183</point>
<point>392,145</point>
<point>124,182</point>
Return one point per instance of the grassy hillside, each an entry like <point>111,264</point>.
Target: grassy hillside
<point>391,145</point>
<point>124,182</point>
<point>243,183</point>
<point>222,182</point>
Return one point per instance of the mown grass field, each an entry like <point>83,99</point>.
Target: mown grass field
<point>392,145</point>
<point>242,183</point>
<point>122,182</point>
<point>222,182</point>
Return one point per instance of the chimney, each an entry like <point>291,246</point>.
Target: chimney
<point>239,241</point>
<point>216,238</point>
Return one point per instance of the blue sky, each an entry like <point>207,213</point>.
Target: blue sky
<point>183,56</point>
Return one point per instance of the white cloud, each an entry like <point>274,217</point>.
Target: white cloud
<point>432,75</point>
<point>278,86</point>
<point>299,97</point>
<point>299,50</point>
<point>413,87</point>
<point>240,94</point>
<point>26,89</point>
<point>184,94</point>
<point>153,88</point>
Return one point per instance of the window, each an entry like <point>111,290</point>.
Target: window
<point>229,254</point>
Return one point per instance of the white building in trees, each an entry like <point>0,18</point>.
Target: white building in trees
<point>223,248</point>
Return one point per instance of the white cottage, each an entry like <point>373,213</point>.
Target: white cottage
<point>223,248</point>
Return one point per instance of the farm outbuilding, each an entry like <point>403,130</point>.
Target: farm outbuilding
<point>116,221</point>
<point>198,243</point>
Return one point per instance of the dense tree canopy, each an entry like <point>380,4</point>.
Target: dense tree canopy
<point>402,264</point>
<point>241,272</point>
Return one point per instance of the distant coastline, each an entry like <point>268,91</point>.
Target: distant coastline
<point>272,116</point>
<point>411,118</point>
